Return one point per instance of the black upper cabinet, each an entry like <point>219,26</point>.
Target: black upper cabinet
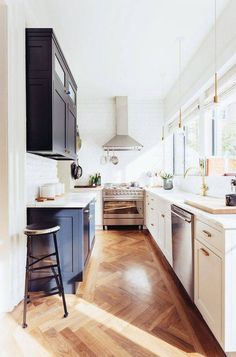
<point>51,93</point>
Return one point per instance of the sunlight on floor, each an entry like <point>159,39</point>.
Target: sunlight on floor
<point>129,331</point>
<point>137,276</point>
<point>16,341</point>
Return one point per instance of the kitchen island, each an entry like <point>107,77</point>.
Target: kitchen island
<point>75,214</point>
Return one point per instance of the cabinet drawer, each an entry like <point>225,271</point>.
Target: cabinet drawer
<point>208,285</point>
<point>210,235</point>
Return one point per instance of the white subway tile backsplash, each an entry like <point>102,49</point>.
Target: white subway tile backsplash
<point>39,170</point>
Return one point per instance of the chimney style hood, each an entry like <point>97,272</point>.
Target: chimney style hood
<point>122,141</point>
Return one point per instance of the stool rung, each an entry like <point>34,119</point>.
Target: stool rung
<point>45,277</point>
<point>44,267</point>
<point>45,295</point>
<point>39,259</point>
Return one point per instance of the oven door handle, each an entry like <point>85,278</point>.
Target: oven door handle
<point>182,217</point>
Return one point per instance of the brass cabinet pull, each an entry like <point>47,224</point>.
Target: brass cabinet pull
<point>163,215</point>
<point>152,224</point>
<point>205,252</point>
<point>152,208</point>
<point>208,234</point>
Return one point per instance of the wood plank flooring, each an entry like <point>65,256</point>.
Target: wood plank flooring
<point>128,305</point>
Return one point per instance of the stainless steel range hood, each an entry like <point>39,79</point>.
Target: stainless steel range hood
<point>122,141</point>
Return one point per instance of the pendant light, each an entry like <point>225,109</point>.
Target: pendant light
<point>216,97</point>
<point>180,121</point>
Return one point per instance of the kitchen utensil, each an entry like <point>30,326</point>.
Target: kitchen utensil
<point>78,139</point>
<point>76,170</point>
<point>114,159</point>
<point>105,158</point>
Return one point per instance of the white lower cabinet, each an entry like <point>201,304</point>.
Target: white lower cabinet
<point>158,222</point>
<point>214,267</point>
<point>168,240</point>
<point>208,279</point>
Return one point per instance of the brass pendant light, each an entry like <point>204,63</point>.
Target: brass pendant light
<point>216,97</point>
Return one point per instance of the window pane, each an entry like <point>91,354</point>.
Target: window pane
<point>225,132</point>
<point>192,148</point>
<point>179,153</point>
<point>59,71</point>
<point>168,152</point>
<point>229,132</point>
<point>72,93</point>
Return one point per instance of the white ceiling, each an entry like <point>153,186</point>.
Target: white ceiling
<point>124,47</point>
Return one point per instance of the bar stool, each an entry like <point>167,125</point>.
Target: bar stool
<point>37,231</point>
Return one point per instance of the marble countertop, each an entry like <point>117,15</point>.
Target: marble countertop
<point>69,200</point>
<point>226,221</point>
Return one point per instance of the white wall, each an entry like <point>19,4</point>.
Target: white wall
<point>39,170</point>
<point>12,249</point>
<point>200,69</point>
<point>96,119</point>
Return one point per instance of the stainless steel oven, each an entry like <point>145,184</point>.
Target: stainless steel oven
<point>123,206</point>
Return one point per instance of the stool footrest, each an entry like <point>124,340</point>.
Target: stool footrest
<point>44,267</point>
<point>40,259</point>
<point>45,277</point>
<point>45,295</point>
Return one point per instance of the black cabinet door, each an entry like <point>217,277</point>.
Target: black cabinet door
<point>59,119</point>
<point>39,112</point>
<point>71,133</point>
<point>86,233</point>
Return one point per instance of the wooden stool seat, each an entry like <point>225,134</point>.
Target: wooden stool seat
<point>39,229</point>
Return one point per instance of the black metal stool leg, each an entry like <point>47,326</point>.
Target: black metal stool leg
<point>60,277</point>
<point>24,325</point>
<point>57,280</point>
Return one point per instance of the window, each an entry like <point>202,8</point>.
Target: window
<point>179,154</point>
<point>224,131</point>
<point>72,93</point>
<point>168,153</point>
<point>192,147</point>
<point>59,70</point>
<point>187,148</point>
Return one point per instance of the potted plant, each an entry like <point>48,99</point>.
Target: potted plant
<point>167,180</point>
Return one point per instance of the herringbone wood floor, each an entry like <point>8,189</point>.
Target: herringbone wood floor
<point>128,305</point>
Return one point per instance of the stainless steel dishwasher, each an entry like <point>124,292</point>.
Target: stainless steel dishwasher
<point>182,246</point>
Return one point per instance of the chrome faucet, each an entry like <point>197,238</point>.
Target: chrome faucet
<point>204,187</point>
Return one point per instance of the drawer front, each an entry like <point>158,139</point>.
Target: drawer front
<point>209,235</point>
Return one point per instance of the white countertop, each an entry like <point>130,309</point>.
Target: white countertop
<point>227,221</point>
<point>69,200</point>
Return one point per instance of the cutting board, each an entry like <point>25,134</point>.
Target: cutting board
<point>212,205</point>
